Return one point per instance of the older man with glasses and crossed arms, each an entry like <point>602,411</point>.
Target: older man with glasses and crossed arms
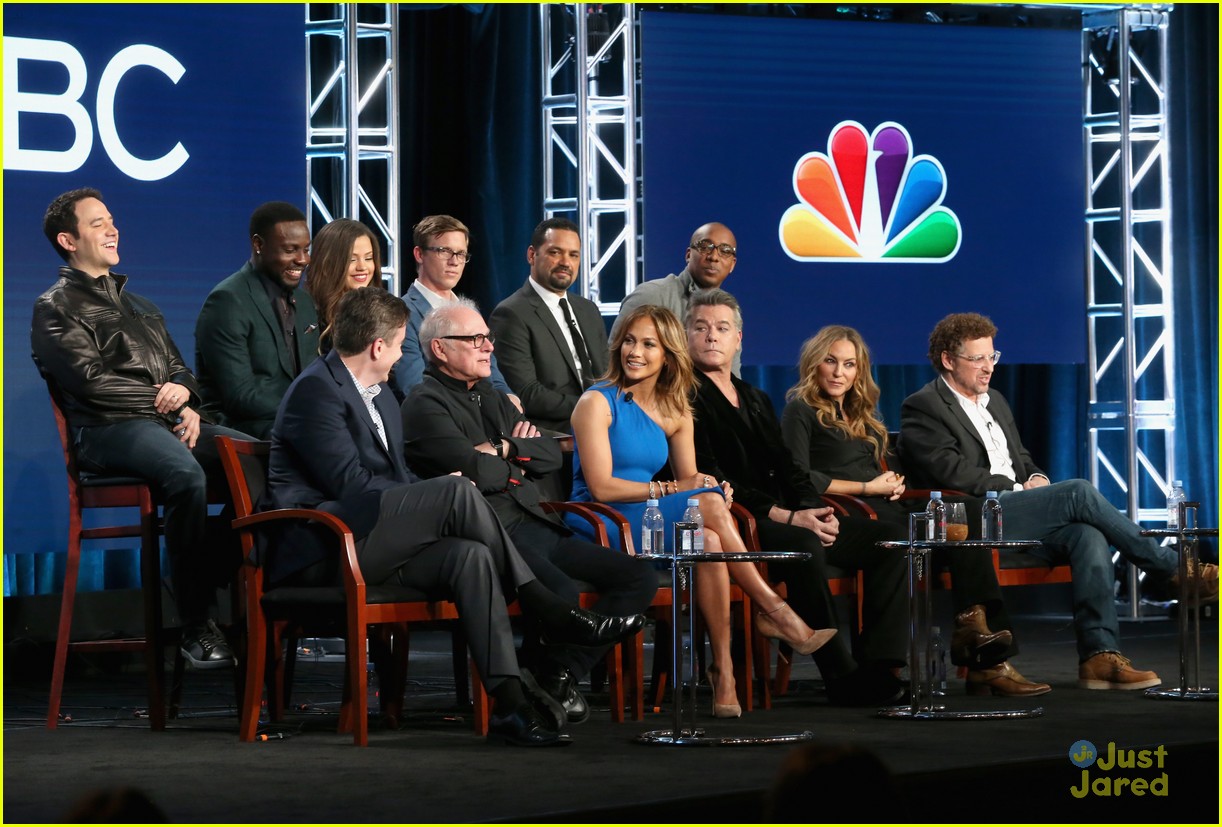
<point>957,433</point>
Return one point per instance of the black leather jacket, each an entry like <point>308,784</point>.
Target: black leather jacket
<point>105,349</point>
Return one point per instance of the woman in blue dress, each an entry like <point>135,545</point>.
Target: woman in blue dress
<point>626,427</point>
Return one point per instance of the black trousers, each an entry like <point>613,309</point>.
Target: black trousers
<point>884,637</point>
<point>625,584</point>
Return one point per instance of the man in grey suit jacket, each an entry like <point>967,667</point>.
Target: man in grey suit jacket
<point>442,252</point>
<point>710,259</point>
<point>553,344</point>
<point>256,330</point>
<point>957,433</point>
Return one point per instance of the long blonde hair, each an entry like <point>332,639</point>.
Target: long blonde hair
<point>858,417</point>
<point>677,378</point>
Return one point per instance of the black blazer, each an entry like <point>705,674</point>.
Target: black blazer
<point>534,355</point>
<point>445,420</point>
<point>748,450</point>
<point>941,448</point>
<point>326,454</point>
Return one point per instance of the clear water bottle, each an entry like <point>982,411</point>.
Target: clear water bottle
<point>653,529</point>
<point>990,517</point>
<point>937,525</point>
<point>937,663</point>
<point>692,515</point>
<point>1174,497</point>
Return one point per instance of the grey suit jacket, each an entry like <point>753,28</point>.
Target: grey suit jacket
<point>941,448</point>
<point>536,358</point>
<point>409,370</point>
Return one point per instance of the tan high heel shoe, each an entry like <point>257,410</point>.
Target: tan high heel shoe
<point>722,710</point>
<point>768,627</point>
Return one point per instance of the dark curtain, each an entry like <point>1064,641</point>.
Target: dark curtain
<point>471,129</point>
<point>1194,212</point>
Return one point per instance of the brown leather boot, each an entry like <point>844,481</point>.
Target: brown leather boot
<point>1003,680</point>
<point>973,644</point>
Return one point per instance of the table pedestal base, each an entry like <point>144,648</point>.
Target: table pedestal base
<point>697,738</point>
<point>943,714</point>
<point>1202,694</point>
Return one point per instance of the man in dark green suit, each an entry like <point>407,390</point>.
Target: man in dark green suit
<point>257,331</point>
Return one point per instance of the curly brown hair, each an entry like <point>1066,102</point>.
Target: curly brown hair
<point>949,335</point>
<point>858,417</point>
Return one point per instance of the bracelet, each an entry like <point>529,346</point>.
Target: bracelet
<point>790,520</point>
<point>651,496</point>
<point>863,489</point>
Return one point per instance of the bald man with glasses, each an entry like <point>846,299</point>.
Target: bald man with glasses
<point>710,258</point>
<point>957,433</point>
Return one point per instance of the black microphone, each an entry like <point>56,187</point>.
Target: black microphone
<point>628,397</point>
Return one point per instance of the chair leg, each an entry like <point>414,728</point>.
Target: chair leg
<point>784,667</point>
<point>615,681</point>
<point>481,705</point>
<point>72,568</point>
<point>150,585</point>
<point>257,663</point>
<point>663,642</point>
<point>763,667</point>
<point>743,665</point>
<point>634,667</point>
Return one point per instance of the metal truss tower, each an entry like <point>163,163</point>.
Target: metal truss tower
<point>1128,224</point>
<point>590,129</point>
<point>352,128</point>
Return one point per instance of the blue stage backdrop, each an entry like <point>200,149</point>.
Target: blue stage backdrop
<point>877,175</point>
<point>186,117</point>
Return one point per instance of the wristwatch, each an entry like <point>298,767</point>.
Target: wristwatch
<point>497,443</point>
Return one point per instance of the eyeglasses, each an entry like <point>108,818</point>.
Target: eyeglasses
<point>477,339</point>
<point>705,247</point>
<point>977,361</point>
<point>447,254</point>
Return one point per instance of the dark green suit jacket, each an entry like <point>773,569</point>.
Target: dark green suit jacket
<point>241,360</point>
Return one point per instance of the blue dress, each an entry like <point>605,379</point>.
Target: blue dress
<point>638,451</point>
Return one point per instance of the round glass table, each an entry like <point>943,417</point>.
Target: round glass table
<point>920,655</point>
<point>683,566</point>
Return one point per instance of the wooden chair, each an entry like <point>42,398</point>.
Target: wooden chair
<point>97,491</point>
<point>353,606</point>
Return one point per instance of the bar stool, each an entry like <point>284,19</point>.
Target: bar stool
<point>94,491</point>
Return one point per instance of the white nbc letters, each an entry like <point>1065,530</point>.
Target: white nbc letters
<point>67,104</point>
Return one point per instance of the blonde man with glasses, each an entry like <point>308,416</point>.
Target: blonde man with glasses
<point>958,433</point>
<point>442,251</point>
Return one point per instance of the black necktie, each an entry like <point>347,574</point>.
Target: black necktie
<point>579,344</point>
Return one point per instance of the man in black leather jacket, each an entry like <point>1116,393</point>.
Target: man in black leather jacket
<point>130,400</point>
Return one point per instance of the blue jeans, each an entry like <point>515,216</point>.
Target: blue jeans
<point>179,479</point>
<point>1077,525</point>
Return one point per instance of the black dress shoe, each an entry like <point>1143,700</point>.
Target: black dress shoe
<point>544,702</point>
<point>561,686</point>
<point>524,728</point>
<point>585,628</point>
<point>865,686</point>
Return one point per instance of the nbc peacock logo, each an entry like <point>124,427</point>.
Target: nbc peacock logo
<point>869,199</point>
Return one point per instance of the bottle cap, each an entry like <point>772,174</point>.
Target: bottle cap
<point>990,495</point>
<point>1177,484</point>
<point>651,502</point>
<point>935,495</point>
<point>693,501</point>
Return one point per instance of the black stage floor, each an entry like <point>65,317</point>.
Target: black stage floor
<point>435,770</point>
